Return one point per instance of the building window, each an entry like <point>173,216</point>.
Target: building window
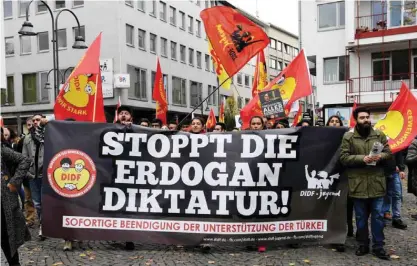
<point>273,43</point>
<point>196,93</point>
<point>381,69</point>
<point>286,48</point>
<point>279,46</point>
<point>179,90</point>
<point>209,91</point>
<point>129,35</point>
<point>207,3</point>
<point>7,8</point>
<point>163,12</point>
<point>137,88</point>
<point>182,53</point>
<point>141,39</point>
<point>22,7</point>
<point>172,16</point>
<point>152,42</point>
<point>152,12</point>
<point>198,59</point>
<point>239,78</point>
<point>59,4</point>
<point>207,62</point>
<point>79,33</point>
<point>41,7</point>
<point>198,33</point>
<point>191,56</point>
<point>43,41</point>
<point>214,96</point>
<point>247,81</point>
<point>9,46</point>
<point>62,38</point>
<point>295,51</point>
<point>279,66</point>
<point>173,50</point>
<point>331,15</point>
<point>273,62</point>
<point>129,3</point>
<point>163,47</point>
<point>182,16</point>
<point>198,2</point>
<point>334,69</point>
<point>25,45</point>
<point>7,96</point>
<point>34,88</point>
<point>141,5</point>
<point>76,3</point>
<point>190,24</point>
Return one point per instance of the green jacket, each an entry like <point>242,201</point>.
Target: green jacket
<point>364,181</point>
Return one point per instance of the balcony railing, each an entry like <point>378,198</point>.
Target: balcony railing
<point>381,83</point>
<point>371,23</point>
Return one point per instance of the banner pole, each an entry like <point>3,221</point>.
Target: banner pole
<point>95,97</point>
<point>205,99</point>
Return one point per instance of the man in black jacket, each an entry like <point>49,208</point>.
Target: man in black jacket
<point>395,172</point>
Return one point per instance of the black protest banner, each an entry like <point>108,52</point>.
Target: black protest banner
<point>271,103</point>
<point>108,182</point>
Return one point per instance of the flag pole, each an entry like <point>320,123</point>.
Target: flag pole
<point>95,97</point>
<point>205,99</point>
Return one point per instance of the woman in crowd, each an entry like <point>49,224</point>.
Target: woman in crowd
<point>197,125</point>
<point>334,121</point>
<point>411,161</point>
<point>14,232</point>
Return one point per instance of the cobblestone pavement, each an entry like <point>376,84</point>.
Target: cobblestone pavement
<point>49,252</point>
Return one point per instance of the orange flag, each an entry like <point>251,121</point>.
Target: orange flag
<point>211,120</point>
<point>399,123</point>
<point>298,117</point>
<point>293,83</point>
<point>234,37</point>
<point>221,113</point>
<point>81,97</point>
<point>261,78</point>
<point>159,95</point>
<point>352,121</point>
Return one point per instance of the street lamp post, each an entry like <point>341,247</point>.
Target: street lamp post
<point>79,43</point>
<point>48,85</point>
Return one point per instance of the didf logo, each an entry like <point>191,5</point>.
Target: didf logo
<point>71,173</point>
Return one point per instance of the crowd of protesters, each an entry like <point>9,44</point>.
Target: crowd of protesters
<point>374,191</point>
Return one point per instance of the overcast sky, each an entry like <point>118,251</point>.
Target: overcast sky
<point>282,13</point>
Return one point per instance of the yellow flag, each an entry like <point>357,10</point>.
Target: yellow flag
<point>221,73</point>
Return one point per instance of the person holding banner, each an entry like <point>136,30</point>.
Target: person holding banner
<point>334,121</point>
<point>367,187</point>
<point>124,115</point>
<point>197,125</point>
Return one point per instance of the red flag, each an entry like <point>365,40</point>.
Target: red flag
<point>116,112</point>
<point>293,83</point>
<point>221,113</point>
<point>81,97</point>
<point>234,37</point>
<point>298,117</point>
<point>399,123</point>
<point>211,120</point>
<point>352,121</point>
<point>159,95</point>
<point>261,78</point>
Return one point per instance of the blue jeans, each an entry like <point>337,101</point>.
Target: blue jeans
<point>36,190</point>
<point>364,208</point>
<point>394,196</point>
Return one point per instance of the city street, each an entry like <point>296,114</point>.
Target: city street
<point>399,243</point>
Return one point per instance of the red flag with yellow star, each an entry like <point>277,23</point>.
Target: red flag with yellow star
<point>159,95</point>
<point>81,97</point>
<point>221,113</point>
<point>261,77</point>
<point>293,83</point>
<point>211,120</point>
<point>400,122</point>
